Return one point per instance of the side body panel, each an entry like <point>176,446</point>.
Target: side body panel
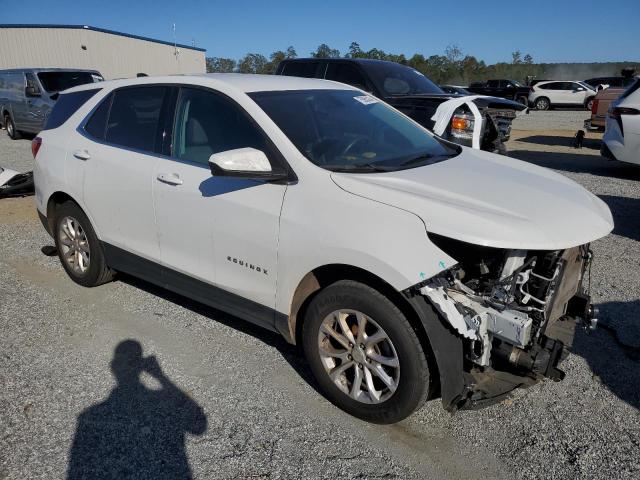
<point>321,224</point>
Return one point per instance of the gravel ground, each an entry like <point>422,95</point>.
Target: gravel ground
<point>571,120</point>
<point>248,406</point>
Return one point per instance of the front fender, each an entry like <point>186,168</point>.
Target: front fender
<point>331,226</point>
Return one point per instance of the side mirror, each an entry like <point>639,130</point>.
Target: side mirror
<point>31,91</point>
<point>244,163</point>
<point>509,85</point>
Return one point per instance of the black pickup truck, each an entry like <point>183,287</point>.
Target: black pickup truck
<point>413,94</point>
<point>502,88</point>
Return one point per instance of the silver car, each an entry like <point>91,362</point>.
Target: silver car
<point>28,94</point>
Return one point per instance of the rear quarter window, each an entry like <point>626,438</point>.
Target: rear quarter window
<point>66,105</point>
<point>300,69</point>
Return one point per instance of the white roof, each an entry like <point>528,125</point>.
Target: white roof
<point>239,81</point>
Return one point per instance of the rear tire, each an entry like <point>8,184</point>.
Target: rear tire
<point>11,128</point>
<point>381,381</point>
<point>542,103</point>
<point>78,247</point>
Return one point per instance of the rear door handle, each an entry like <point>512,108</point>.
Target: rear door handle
<point>82,155</point>
<point>170,178</point>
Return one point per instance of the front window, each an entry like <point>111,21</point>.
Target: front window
<point>58,81</point>
<point>395,79</point>
<point>208,123</point>
<point>344,130</point>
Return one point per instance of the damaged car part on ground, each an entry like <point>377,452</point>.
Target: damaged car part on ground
<point>514,311</point>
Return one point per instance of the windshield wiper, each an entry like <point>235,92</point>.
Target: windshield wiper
<point>358,167</point>
<point>426,159</point>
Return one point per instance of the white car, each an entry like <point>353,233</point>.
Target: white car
<point>621,140</point>
<point>546,95</point>
<point>404,265</point>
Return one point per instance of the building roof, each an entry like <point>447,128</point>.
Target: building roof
<point>96,29</point>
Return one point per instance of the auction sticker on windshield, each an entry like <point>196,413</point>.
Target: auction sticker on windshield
<point>366,99</point>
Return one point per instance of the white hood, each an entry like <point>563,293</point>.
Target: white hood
<point>490,200</point>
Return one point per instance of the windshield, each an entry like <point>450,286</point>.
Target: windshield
<point>344,130</point>
<point>395,79</point>
<point>585,85</point>
<point>58,81</point>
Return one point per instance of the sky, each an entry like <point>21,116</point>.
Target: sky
<point>550,30</point>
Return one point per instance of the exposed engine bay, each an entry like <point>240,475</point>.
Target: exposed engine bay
<point>515,310</point>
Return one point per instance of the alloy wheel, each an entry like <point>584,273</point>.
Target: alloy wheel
<point>542,104</point>
<point>358,356</point>
<point>74,244</point>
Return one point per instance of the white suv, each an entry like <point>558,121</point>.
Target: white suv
<point>621,140</point>
<point>546,95</point>
<point>405,266</point>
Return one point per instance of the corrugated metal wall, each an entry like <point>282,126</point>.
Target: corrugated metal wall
<point>115,56</point>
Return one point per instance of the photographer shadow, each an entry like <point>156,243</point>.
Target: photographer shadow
<point>137,432</point>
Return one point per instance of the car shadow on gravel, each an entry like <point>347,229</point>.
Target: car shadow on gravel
<point>613,350</point>
<point>558,140</point>
<point>137,432</point>
<point>626,215</point>
<point>290,353</point>
<point>579,163</point>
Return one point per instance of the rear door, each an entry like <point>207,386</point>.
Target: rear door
<point>119,154</point>
<point>553,91</point>
<point>220,230</point>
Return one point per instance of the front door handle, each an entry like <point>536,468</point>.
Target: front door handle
<point>170,178</point>
<point>82,155</point>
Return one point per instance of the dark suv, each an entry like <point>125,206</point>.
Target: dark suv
<point>413,94</point>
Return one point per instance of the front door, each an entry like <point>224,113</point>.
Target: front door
<point>222,231</point>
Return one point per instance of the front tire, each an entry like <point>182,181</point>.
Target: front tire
<point>78,247</point>
<point>542,103</point>
<point>364,353</point>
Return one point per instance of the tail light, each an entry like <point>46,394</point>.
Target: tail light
<point>594,107</point>
<point>36,143</point>
<point>617,112</point>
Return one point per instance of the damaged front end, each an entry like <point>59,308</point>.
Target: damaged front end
<point>515,310</point>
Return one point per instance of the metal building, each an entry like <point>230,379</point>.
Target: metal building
<point>114,54</point>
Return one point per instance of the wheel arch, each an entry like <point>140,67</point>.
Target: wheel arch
<point>54,201</point>
<point>539,97</point>
<point>314,281</point>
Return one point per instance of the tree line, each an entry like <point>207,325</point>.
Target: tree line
<point>454,67</point>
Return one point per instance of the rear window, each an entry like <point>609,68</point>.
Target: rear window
<point>300,69</point>
<point>66,105</point>
<point>58,81</point>
<point>134,117</point>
